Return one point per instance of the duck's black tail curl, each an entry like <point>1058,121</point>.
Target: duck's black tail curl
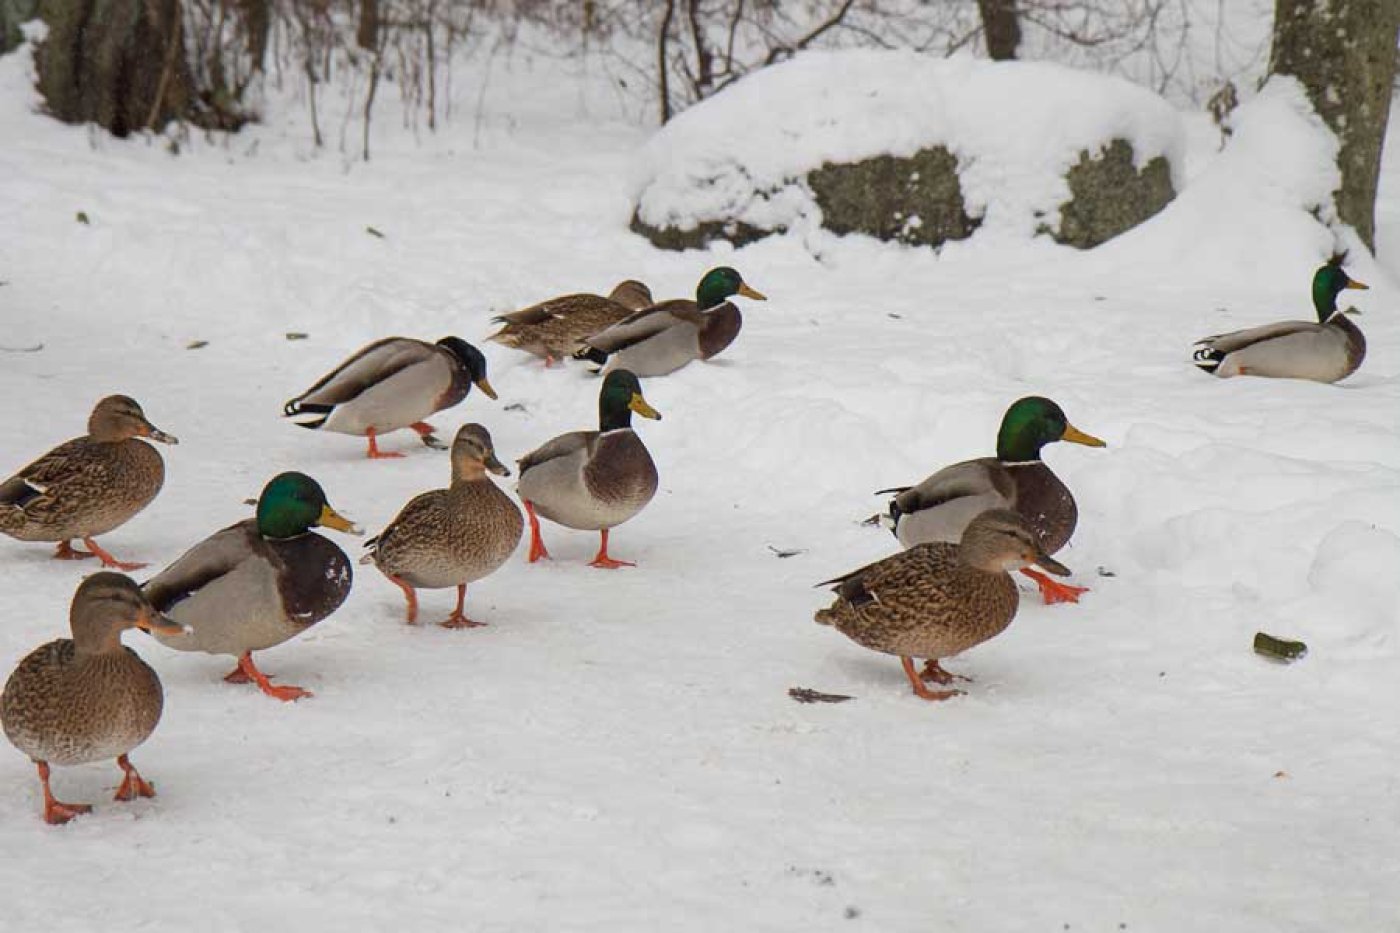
<point>593,354</point>
<point>308,414</point>
<point>1208,358</point>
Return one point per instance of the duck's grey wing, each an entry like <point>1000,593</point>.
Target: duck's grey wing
<point>561,446</point>
<point>1239,339</point>
<point>207,561</point>
<point>645,324</point>
<point>369,366</point>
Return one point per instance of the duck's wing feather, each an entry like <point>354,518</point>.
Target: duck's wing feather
<point>59,465</point>
<point>562,446</point>
<point>632,294</point>
<point>368,367</point>
<point>644,324</point>
<point>216,556</point>
<point>1239,339</point>
<point>961,480</point>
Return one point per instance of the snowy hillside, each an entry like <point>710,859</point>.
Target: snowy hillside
<point>618,750</point>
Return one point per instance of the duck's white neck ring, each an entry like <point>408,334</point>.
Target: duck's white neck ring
<point>1011,463</point>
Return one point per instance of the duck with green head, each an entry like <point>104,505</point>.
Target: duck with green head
<point>392,383</point>
<point>552,329</point>
<point>942,506</point>
<point>666,336</point>
<point>592,480</point>
<point>259,582</point>
<point>89,698</point>
<point>1326,351</point>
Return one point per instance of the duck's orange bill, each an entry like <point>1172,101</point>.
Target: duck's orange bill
<point>1076,436</point>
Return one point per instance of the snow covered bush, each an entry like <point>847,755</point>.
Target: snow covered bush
<point>907,147</point>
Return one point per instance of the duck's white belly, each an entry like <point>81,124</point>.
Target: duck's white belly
<point>945,522</point>
<point>1319,355</point>
<point>240,611</point>
<point>404,398</point>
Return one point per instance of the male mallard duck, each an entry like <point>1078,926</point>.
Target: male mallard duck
<point>259,582</point>
<point>89,485</point>
<point>390,384</point>
<point>937,600</point>
<point>592,479</point>
<point>1327,351</point>
<point>453,536</point>
<point>664,337</point>
<point>552,329</point>
<point>88,697</point>
<point>940,507</point>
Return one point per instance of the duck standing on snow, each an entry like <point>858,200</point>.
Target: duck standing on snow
<point>942,506</point>
<point>453,536</point>
<point>390,384</point>
<point>89,485</point>
<point>592,480</point>
<point>259,582</point>
<point>552,329</point>
<point>666,336</point>
<point>87,698</point>
<point>937,600</point>
<point>1327,351</point>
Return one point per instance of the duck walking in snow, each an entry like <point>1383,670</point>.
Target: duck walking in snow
<point>942,506</point>
<point>259,582</point>
<point>592,480</point>
<point>553,329</point>
<point>453,536</point>
<point>390,384</point>
<point>937,600</point>
<point>666,336</point>
<point>1327,351</point>
<point>89,485</point>
<point>87,698</point>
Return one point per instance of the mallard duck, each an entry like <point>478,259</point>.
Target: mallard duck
<point>1327,351</point>
<point>259,582</point>
<point>86,698</point>
<point>453,536</point>
<point>89,485</point>
<point>937,600</point>
<point>666,336</point>
<point>552,329</point>
<point>592,479</point>
<point>390,384</point>
<point>940,507</point>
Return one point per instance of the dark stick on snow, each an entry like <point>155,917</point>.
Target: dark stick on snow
<point>34,349</point>
<point>808,695</point>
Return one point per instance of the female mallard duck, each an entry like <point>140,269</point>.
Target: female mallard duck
<point>390,384</point>
<point>88,697</point>
<point>664,337</point>
<point>552,329</point>
<point>1327,351</point>
<point>89,485</point>
<point>453,536</point>
<point>940,507</point>
<point>592,479</point>
<point>937,600</point>
<point>259,582</point>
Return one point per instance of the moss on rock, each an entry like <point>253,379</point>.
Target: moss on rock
<point>1110,195</point>
<point>916,200</point>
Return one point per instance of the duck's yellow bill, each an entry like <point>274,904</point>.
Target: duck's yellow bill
<point>757,295</point>
<point>1076,436</point>
<point>1352,283</point>
<point>153,623</point>
<point>640,406</point>
<point>485,386</point>
<point>333,519</point>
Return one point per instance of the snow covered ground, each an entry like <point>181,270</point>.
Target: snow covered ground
<point>617,751</point>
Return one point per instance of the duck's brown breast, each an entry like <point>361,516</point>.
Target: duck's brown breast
<point>1045,503</point>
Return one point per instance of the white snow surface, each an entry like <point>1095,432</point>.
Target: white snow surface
<point>1015,128</point>
<point>617,750</point>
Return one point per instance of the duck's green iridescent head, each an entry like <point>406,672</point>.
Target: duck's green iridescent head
<point>1031,423</point>
<point>292,504</point>
<point>721,284</point>
<point>1328,282</point>
<point>620,396</point>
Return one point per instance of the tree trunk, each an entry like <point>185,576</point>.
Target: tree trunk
<point>118,63</point>
<point>1343,51</point>
<point>1001,27</point>
<point>257,25</point>
<point>367,35</point>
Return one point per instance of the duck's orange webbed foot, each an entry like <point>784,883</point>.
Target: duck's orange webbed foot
<point>66,551</point>
<point>108,560</point>
<point>133,785</point>
<point>458,619</point>
<point>285,693</point>
<point>537,548</point>
<point>919,689</point>
<point>56,812</point>
<point>1053,591</point>
<point>601,559</point>
<point>933,673</point>
<point>374,453</point>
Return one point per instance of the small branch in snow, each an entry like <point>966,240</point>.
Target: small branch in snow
<point>34,349</point>
<point>808,695</point>
<point>787,552</point>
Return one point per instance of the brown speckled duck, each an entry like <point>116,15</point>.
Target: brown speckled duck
<point>937,600</point>
<point>666,336</point>
<point>592,480</point>
<point>87,698</point>
<point>259,582</point>
<point>390,384</point>
<point>453,536</point>
<point>1327,351</point>
<point>552,329</point>
<point>940,507</point>
<point>89,485</point>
